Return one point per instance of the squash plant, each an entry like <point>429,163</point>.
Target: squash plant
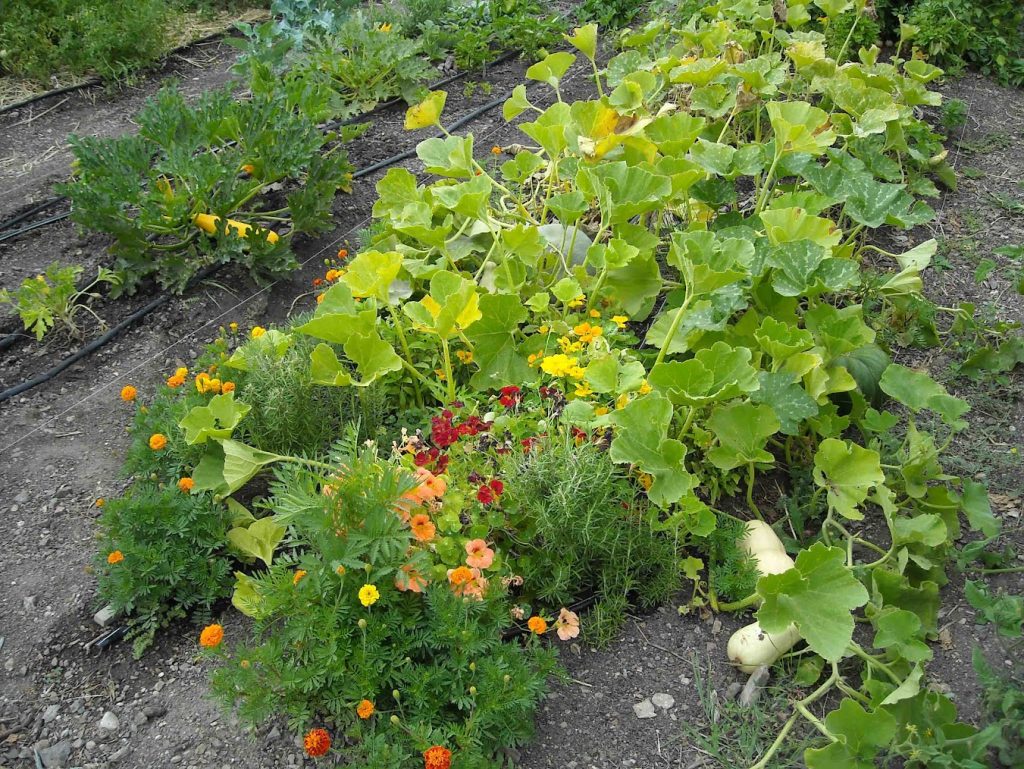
<point>165,194</point>
<point>680,260</point>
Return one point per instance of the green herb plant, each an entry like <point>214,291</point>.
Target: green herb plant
<point>54,300</point>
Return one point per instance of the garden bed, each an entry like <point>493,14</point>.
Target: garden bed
<point>62,446</point>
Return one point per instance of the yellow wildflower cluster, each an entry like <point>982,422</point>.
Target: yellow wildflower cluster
<point>562,365</point>
<point>568,346</point>
<point>465,356</point>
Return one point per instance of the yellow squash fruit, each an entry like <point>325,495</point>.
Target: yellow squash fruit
<point>210,224</point>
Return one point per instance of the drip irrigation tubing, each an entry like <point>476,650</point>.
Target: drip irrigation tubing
<point>31,212</point>
<point>202,275</point>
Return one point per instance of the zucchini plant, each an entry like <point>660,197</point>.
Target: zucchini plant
<point>165,194</point>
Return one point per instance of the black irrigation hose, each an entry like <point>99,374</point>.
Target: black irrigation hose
<point>97,343</point>
<point>202,275</point>
<point>35,226</point>
<point>33,210</point>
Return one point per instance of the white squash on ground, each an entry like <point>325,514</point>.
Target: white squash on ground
<point>750,646</point>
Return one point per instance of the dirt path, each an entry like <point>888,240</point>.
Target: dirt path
<point>61,447</point>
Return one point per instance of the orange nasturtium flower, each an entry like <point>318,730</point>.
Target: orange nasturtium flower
<point>186,484</point>
<point>537,625</point>
<point>478,554</point>
<point>437,757</point>
<point>157,441</point>
<point>317,742</point>
<point>460,575</point>
<point>211,636</point>
<point>422,527</point>
<point>365,709</point>
<point>115,557</point>
<point>128,393</point>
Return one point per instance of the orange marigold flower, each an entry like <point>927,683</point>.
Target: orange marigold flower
<point>342,253</point>
<point>248,168</point>
<point>317,742</point>
<point>422,527</point>
<point>157,441</point>
<point>211,636</point>
<point>100,502</point>
<point>299,574</point>
<point>115,557</point>
<point>496,150</point>
<point>460,575</point>
<point>175,381</point>
<point>186,484</point>
<point>365,709</point>
<point>437,757</point>
<point>227,387</point>
<point>128,393</point>
<point>333,275</point>
<point>537,625</point>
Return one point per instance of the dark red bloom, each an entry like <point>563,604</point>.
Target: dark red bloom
<point>510,396</point>
<point>475,477</point>
<point>485,495</point>
<point>497,486</point>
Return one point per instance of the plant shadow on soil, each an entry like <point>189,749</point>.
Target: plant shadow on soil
<point>73,450</point>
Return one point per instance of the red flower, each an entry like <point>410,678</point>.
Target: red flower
<point>485,495</point>
<point>510,396</point>
<point>317,742</point>
<point>497,486</point>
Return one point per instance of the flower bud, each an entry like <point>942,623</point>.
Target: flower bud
<point>507,679</point>
<point>472,691</point>
<point>396,695</point>
<point>395,720</point>
<point>362,623</point>
<point>472,667</point>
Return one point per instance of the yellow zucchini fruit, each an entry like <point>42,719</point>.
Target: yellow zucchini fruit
<point>210,224</point>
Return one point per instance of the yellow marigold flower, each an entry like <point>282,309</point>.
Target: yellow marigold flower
<point>583,390</point>
<point>558,365</point>
<point>644,388</point>
<point>496,150</point>
<point>385,27</point>
<point>365,709</point>
<point>620,320</point>
<point>115,557</point>
<point>595,313</point>
<point>333,275</point>
<point>157,441</point>
<point>542,329</point>
<point>537,625</point>
<point>299,574</point>
<point>233,326</point>
<point>227,387</point>
<point>128,393</point>
<point>212,386</point>
<point>368,595</point>
<point>257,332</point>
<point>465,356</point>
<point>101,502</point>
<point>186,484</point>
<point>211,636</point>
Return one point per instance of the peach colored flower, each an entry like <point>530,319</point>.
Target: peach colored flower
<point>408,579</point>
<point>479,555</point>
<point>567,625</point>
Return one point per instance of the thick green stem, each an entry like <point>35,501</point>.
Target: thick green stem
<point>408,354</point>
<point>672,329</point>
<point>750,492</point>
<point>750,600</point>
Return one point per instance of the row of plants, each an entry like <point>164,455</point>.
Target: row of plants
<point>562,385</point>
<point>43,39</point>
